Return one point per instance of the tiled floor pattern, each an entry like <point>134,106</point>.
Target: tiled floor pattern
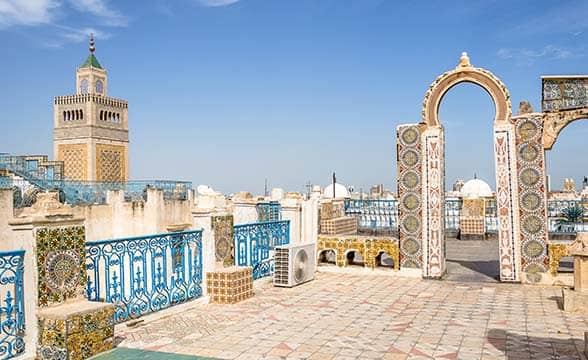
<point>349,316</point>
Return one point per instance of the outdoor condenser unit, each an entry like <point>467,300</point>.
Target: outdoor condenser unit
<point>294,264</point>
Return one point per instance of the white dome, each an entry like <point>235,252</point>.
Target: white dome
<point>340,191</point>
<point>476,188</point>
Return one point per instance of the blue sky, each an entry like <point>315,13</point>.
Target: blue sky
<point>228,93</point>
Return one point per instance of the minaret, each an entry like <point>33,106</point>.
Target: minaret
<point>91,131</point>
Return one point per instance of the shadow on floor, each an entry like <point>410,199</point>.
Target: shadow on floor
<point>476,271</point>
<point>515,346</point>
<point>136,354</point>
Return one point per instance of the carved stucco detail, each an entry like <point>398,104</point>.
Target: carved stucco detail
<point>465,72</point>
<point>554,122</point>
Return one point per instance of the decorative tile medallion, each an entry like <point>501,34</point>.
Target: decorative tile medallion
<point>60,262</point>
<point>223,239</point>
<point>410,195</point>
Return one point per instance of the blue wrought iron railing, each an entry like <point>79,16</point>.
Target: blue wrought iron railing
<point>12,320</point>
<point>255,242</point>
<point>269,211</point>
<point>373,214</point>
<point>86,192</point>
<point>144,274</point>
<point>5,182</point>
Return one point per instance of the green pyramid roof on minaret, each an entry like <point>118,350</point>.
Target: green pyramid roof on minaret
<point>91,61</point>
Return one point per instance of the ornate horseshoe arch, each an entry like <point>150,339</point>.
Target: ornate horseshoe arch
<point>422,197</point>
<point>465,72</point>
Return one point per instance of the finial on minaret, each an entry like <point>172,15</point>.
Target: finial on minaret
<point>92,48</point>
<point>464,60</point>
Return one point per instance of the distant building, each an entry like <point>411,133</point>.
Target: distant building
<point>377,190</point>
<point>91,130</point>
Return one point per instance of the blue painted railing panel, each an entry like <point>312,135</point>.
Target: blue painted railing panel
<point>452,213</point>
<point>12,320</point>
<point>89,192</point>
<point>254,242</point>
<point>373,214</point>
<point>145,274</point>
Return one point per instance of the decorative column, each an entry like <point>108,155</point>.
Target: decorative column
<point>507,201</point>
<point>66,325</point>
<point>577,300</point>
<point>410,195</point>
<point>433,202</point>
<point>532,196</point>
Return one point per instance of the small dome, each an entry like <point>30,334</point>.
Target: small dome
<point>340,191</point>
<point>476,188</point>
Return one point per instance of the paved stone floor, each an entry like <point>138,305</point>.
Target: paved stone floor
<point>472,260</point>
<point>367,316</point>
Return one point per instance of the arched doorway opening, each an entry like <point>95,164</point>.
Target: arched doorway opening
<point>421,179</point>
<point>566,190</point>
<point>471,232</point>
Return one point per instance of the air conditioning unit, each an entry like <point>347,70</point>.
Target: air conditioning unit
<point>294,264</point>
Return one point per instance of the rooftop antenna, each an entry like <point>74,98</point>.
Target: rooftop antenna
<point>334,182</point>
<point>265,188</point>
<point>308,188</point>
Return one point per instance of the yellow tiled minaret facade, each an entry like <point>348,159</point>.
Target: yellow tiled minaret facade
<point>91,130</point>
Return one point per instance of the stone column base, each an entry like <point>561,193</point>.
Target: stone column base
<point>575,301</point>
<point>75,330</point>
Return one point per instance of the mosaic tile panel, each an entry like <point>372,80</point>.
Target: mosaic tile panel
<point>531,190</point>
<point>230,285</point>
<point>332,210</point>
<point>556,252</point>
<point>410,195</point>
<point>564,93</point>
<point>77,335</point>
<point>434,200</point>
<point>223,239</point>
<point>506,201</point>
<point>110,163</point>
<point>472,207</point>
<point>472,226</point>
<point>339,226</point>
<point>368,248</point>
<point>60,264</point>
<point>75,160</point>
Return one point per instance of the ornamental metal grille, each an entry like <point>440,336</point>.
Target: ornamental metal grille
<point>269,211</point>
<point>373,215</point>
<point>452,213</point>
<point>145,274</point>
<point>84,192</point>
<point>12,321</point>
<point>254,244</point>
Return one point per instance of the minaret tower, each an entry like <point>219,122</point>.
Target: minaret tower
<point>91,130</point>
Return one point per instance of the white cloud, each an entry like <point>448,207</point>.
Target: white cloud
<point>525,56</point>
<point>27,12</point>
<point>101,9</point>
<point>216,3</point>
<point>80,35</point>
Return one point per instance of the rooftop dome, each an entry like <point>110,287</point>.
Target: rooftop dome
<point>340,191</point>
<point>476,188</point>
